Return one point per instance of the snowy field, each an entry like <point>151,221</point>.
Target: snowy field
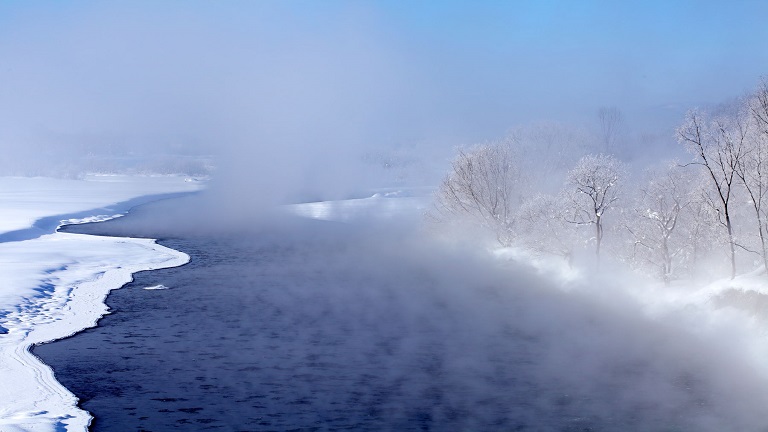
<point>54,284</point>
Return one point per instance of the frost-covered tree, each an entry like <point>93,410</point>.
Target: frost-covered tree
<point>592,190</point>
<point>752,170</point>
<point>718,147</point>
<point>549,149</point>
<point>654,220</point>
<point>543,228</point>
<point>485,185</point>
<point>758,107</point>
<point>700,231</point>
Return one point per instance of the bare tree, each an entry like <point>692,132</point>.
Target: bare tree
<point>549,149</point>
<point>593,190</point>
<point>719,147</point>
<point>758,107</point>
<point>485,185</point>
<point>543,227</point>
<point>610,125</point>
<point>701,231</point>
<point>656,215</point>
<point>752,169</point>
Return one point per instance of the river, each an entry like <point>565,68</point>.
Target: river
<point>318,326</point>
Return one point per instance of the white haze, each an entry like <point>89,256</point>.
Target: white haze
<point>288,106</point>
<point>290,99</point>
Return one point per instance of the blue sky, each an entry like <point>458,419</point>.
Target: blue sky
<point>404,70</point>
<point>637,55</point>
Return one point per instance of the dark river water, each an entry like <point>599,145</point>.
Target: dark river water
<point>315,326</point>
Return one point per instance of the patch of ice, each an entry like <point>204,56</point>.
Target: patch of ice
<point>375,207</point>
<point>90,219</point>
<point>156,287</point>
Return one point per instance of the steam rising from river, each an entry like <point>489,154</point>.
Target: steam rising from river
<point>443,322</point>
<point>286,103</point>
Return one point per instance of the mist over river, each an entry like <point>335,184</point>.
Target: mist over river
<point>311,325</point>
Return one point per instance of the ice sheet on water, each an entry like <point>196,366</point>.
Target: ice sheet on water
<point>380,205</point>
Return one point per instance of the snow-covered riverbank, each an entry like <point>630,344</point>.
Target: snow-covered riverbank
<point>53,285</point>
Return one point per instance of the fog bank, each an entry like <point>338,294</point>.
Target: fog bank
<point>298,101</point>
<point>386,325</point>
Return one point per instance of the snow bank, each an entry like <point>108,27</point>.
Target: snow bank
<point>54,285</point>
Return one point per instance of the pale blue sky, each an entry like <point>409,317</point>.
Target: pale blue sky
<point>640,55</point>
<point>400,69</point>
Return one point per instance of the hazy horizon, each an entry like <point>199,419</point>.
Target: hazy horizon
<point>290,87</point>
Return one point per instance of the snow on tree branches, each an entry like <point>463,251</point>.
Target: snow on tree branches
<point>715,206</point>
<point>594,189</point>
<point>484,185</point>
